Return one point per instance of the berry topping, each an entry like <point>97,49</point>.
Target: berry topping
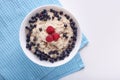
<point>55,36</point>
<point>49,38</point>
<point>61,13</point>
<point>50,30</point>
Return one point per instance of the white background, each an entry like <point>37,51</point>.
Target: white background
<point>100,22</point>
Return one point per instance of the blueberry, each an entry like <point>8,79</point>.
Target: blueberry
<point>70,41</point>
<point>55,59</point>
<point>71,20</point>
<point>28,39</point>
<point>73,43</point>
<point>41,18</point>
<point>61,58</point>
<point>33,26</point>
<point>52,17</point>
<point>30,29</point>
<point>54,11</point>
<point>41,52</point>
<point>72,46</point>
<point>44,10</point>
<point>41,58</point>
<point>37,53</point>
<point>75,33</point>
<point>68,51</point>
<point>74,29</point>
<point>74,38</point>
<point>32,21</point>
<point>51,52</point>
<point>65,25</point>
<point>72,26</point>
<point>28,35</point>
<point>61,12</point>
<point>59,18</point>
<point>65,35</point>
<point>73,23</point>
<point>45,14</point>
<point>67,16</point>
<point>55,52</point>
<point>56,14</point>
<point>45,59</point>
<point>28,46</point>
<point>51,10</point>
<point>51,60</point>
<point>37,15</point>
<point>32,44</point>
<point>27,28</point>
<point>44,56</point>
<point>65,54</point>
<point>33,17</point>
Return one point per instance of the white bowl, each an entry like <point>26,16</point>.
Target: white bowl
<point>30,55</point>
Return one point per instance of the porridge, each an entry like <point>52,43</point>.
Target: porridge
<point>51,35</point>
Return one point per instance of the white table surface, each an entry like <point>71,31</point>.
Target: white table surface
<point>100,22</point>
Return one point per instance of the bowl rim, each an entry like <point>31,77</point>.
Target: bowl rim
<point>43,63</point>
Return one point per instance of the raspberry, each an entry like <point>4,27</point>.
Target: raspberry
<point>55,36</point>
<point>49,38</point>
<point>50,30</point>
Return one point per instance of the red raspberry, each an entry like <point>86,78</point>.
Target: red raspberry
<point>56,36</point>
<point>50,30</point>
<point>49,38</point>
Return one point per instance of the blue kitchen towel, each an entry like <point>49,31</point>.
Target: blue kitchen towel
<point>14,65</point>
<point>1,77</point>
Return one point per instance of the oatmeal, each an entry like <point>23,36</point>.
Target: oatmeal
<point>51,35</point>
